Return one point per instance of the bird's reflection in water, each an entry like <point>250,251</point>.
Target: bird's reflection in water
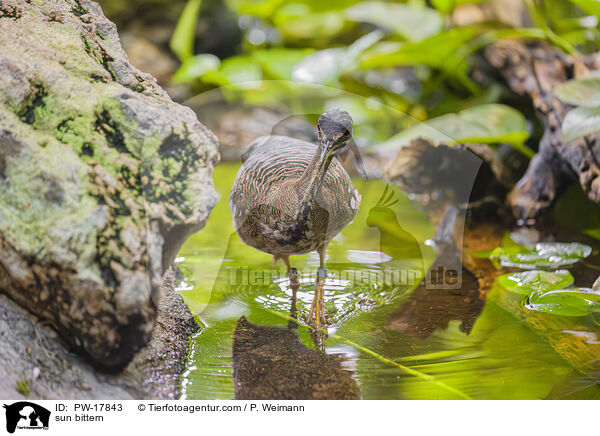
<point>428,310</point>
<point>271,363</point>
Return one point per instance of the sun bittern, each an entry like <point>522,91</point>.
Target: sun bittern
<point>292,197</point>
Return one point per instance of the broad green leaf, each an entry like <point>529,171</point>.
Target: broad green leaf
<point>326,66</point>
<point>296,21</point>
<point>584,91</point>
<point>581,121</point>
<point>527,282</point>
<point>182,41</point>
<point>589,6</point>
<point>563,250</point>
<point>258,8</point>
<point>566,302</point>
<point>489,123</point>
<point>278,63</point>
<point>241,71</point>
<point>414,23</point>
<point>446,6</point>
<point>434,51</point>
<point>196,67</point>
<point>542,255</point>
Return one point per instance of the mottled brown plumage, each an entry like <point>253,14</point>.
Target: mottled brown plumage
<point>292,197</point>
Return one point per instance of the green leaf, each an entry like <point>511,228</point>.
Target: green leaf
<point>446,6</point>
<point>326,66</point>
<point>527,282</point>
<point>489,123</point>
<point>567,302</point>
<point>296,21</point>
<point>23,387</point>
<point>581,121</point>
<point>589,6</point>
<point>240,71</point>
<point>182,41</point>
<point>278,63</point>
<point>543,255</point>
<point>434,51</point>
<point>414,23</point>
<point>196,67</point>
<point>584,91</point>
<point>258,8</point>
<point>563,250</point>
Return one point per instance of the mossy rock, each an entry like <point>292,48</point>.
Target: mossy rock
<point>102,177</point>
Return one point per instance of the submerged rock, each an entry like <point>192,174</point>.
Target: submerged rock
<point>102,177</point>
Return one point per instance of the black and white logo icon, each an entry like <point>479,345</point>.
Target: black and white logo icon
<point>26,415</point>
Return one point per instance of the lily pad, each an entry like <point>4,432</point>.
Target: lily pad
<point>413,23</point>
<point>581,121</point>
<point>542,255</point>
<point>488,123</point>
<point>527,282</point>
<point>566,302</point>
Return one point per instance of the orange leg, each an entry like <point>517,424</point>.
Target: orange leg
<point>317,309</point>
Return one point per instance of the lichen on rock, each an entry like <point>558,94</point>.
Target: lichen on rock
<point>102,177</point>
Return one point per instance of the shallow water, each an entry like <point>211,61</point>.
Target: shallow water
<point>386,341</point>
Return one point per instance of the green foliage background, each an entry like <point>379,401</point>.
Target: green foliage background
<point>417,57</point>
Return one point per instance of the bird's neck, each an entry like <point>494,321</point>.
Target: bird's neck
<point>311,180</point>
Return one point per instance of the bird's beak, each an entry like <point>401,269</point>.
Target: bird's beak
<point>327,153</point>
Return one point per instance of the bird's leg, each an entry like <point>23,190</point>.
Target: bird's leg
<point>317,309</point>
<point>294,285</point>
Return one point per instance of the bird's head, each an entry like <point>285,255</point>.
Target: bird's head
<point>335,130</point>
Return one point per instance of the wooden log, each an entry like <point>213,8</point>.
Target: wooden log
<point>533,70</point>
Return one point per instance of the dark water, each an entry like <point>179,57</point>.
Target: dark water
<point>386,340</point>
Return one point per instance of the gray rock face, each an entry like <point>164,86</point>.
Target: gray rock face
<point>102,177</point>
<point>37,366</point>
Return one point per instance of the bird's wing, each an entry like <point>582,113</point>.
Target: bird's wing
<point>259,144</point>
<point>253,146</point>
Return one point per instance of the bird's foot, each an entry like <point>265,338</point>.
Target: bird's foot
<point>317,309</point>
